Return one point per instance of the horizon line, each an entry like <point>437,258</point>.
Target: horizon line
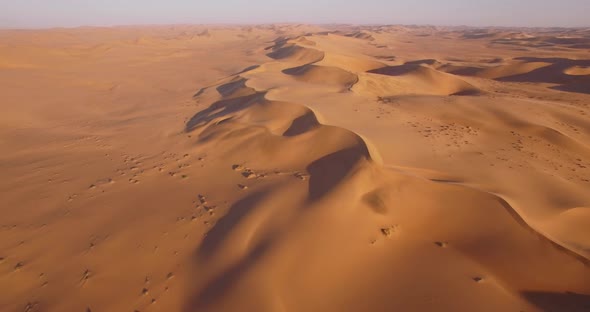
<point>285,24</point>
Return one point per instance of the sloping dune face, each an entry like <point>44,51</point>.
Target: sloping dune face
<point>566,74</point>
<point>323,74</point>
<point>295,53</point>
<point>578,70</point>
<point>412,79</point>
<point>190,168</point>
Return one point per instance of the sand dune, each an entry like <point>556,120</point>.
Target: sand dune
<point>323,74</point>
<point>413,79</point>
<point>296,53</point>
<point>577,39</point>
<point>361,35</point>
<point>349,63</point>
<point>346,167</point>
<point>305,41</point>
<point>495,72</point>
<point>550,74</point>
<point>577,70</point>
<point>294,168</point>
<point>566,74</point>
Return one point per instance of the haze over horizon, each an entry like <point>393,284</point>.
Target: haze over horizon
<point>65,13</point>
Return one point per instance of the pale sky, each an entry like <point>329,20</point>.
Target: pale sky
<point>70,13</point>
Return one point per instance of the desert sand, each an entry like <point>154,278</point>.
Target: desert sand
<point>294,168</point>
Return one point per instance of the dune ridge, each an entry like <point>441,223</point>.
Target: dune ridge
<point>347,165</point>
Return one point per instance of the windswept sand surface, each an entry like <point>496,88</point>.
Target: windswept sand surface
<point>295,168</point>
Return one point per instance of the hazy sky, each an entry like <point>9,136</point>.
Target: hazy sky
<point>49,13</point>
